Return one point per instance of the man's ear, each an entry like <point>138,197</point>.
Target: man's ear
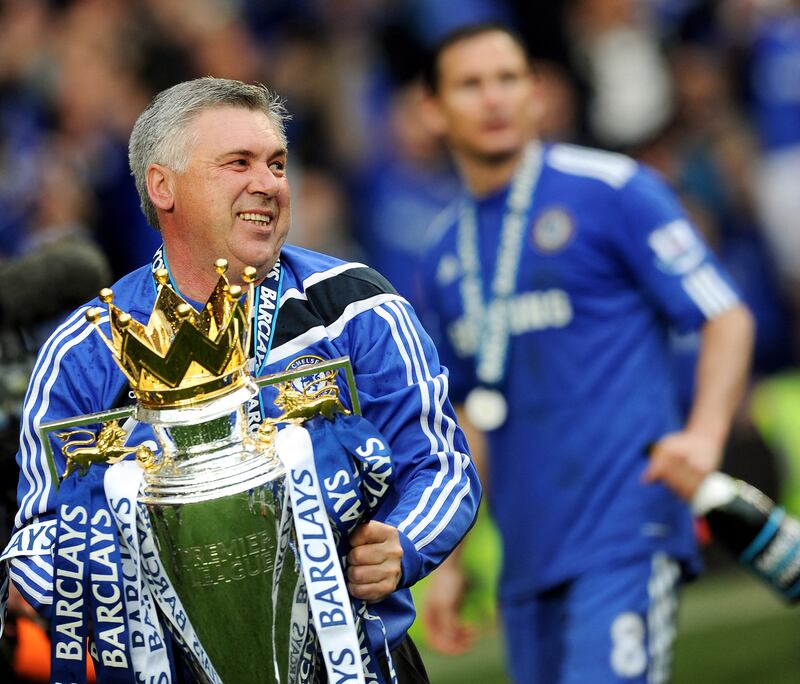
<point>432,115</point>
<point>160,187</point>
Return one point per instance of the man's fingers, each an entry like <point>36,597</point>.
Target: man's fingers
<point>374,545</point>
<point>373,582</point>
<point>367,574</point>
<point>652,472</point>
<point>445,632</point>
<point>371,554</point>
<point>371,532</point>
<point>374,591</point>
<point>374,563</point>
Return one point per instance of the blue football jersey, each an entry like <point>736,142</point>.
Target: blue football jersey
<point>609,263</point>
<point>327,309</point>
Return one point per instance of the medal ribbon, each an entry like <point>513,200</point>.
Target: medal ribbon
<point>489,321</point>
<point>264,322</point>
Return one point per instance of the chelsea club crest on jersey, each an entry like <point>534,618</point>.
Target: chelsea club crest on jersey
<point>552,230</point>
<point>312,383</point>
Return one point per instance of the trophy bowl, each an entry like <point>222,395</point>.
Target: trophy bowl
<point>217,507</point>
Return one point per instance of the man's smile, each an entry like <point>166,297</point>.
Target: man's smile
<point>259,218</point>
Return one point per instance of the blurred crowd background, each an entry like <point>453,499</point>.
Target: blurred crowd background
<point>706,92</point>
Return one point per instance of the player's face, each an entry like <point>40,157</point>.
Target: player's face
<point>485,96</point>
<point>232,200</point>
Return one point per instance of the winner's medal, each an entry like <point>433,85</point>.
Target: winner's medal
<point>486,406</point>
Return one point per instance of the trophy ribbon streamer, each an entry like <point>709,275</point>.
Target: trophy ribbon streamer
<point>87,581</point>
<point>110,626</point>
<point>327,591</point>
<point>148,651</point>
<point>36,539</point>
<point>146,571</point>
<point>3,594</point>
<point>167,598</point>
<point>69,627</point>
<point>354,463</point>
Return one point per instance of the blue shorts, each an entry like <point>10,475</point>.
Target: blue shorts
<point>615,625</point>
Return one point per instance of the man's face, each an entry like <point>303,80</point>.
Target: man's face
<point>485,96</point>
<point>232,200</point>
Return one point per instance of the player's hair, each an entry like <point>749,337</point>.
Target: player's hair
<point>430,70</point>
<point>161,133</point>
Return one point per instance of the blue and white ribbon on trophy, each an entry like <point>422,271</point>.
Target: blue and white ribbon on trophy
<point>70,622</point>
<point>88,585</point>
<point>107,592</point>
<point>106,568</point>
<point>337,472</point>
<point>149,585</point>
<point>148,646</point>
<point>108,573</point>
<point>488,321</point>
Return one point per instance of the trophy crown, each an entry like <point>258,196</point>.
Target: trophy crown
<point>182,356</point>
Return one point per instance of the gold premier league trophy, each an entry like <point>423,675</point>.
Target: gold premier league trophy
<point>203,512</point>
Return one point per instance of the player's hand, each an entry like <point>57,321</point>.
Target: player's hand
<point>445,631</point>
<point>682,460</point>
<point>374,562</point>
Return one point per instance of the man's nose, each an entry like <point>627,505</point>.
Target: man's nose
<point>492,93</point>
<point>263,181</point>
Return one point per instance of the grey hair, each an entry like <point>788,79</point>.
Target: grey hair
<point>161,133</point>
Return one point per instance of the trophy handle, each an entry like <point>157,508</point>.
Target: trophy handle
<point>341,363</point>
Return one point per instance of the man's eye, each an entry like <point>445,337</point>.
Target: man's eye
<point>278,166</point>
<point>239,162</point>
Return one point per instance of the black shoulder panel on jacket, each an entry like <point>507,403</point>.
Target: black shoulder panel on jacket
<point>326,301</point>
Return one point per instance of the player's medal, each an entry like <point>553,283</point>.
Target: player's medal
<point>487,409</point>
<point>486,406</point>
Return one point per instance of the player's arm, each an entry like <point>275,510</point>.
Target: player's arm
<point>52,394</point>
<point>682,460</point>
<point>404,393</point>
<point>680,274</point>
<point>446,631</point>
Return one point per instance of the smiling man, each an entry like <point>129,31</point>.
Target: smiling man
<point>209,159</point>
<point>221,190</point>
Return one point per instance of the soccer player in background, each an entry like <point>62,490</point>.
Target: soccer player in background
<point>551,287</point>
